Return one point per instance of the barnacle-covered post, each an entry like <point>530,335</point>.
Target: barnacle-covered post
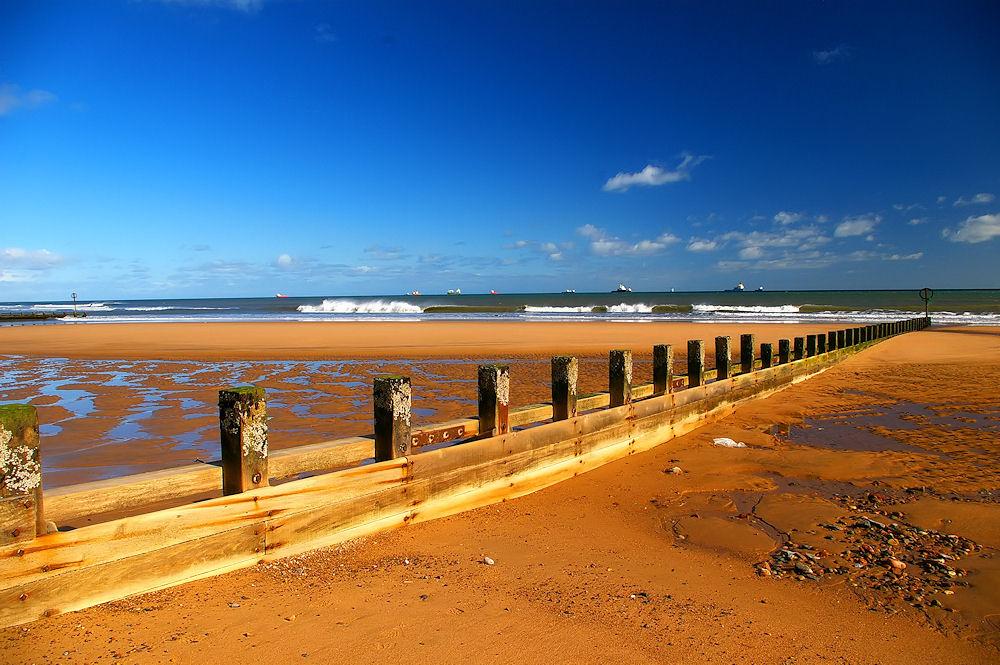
<point>393,398</point>
<point>243,424</point>
<point>799,350</point>
<point>696,362</point>
<point>20,475</point>
<point>723,358</point>
<point>747,344</point>
<point>663,368</point>
<point>565,371</point>
<point>784,351</point>
<point>620,376</point>
<point>766,355</point>
<point>494,400</point>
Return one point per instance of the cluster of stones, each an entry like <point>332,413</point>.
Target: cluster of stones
<point>887,560</point>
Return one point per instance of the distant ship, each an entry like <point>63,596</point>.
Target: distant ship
<point>739,287</point>
<point>622,289</point>
<point>413,293</point>
<point>454,292</point>
<point>280,295</point>
<point>492,292</point>
<point>760,288</point>
<point>570,291</point>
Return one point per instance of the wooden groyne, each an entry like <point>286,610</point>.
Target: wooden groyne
<point>401,475</point>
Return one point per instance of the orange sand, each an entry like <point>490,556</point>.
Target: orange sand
<point>628,563</point>
<point>321,340</point>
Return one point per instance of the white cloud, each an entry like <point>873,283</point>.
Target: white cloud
<point>978,199</point>
<point>285,261</point>
<point>942,199</point>
<point>857,226</point>
<point>784,217</point>
<point>836,54</point>
<point>31,259</point>
<point>917,221</point>
<point>606,245</point>
<point>975,229</point>
<point>702,245</point>
<point>13,98</point>
<point>915,256</point>
<point>904,207</point>
<point>751,252</point>
<point>654,176</point>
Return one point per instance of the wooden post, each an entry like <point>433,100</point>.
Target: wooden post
<point>723,358</point>
<point>747,344</point>
<point>565,370</point>
<point>849,336</point>
<point>841,338</point>
<point>620,376</point>
<point>393,401</point>
<point>831,340</point>
<point>21,516</point>
<point>820,343</point>
<point>766,355</point>
<point>784,351</point>
<point>243,426</point>
<point>696,362</point>
<point>799,351</point>
<point>810,346</point>
<point>663,368</point>
<point>494,400</point>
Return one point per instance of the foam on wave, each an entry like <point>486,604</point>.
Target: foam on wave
<point>366,307</point>
<point>749,309</point>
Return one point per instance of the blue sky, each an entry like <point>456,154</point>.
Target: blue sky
<point>243,147</point>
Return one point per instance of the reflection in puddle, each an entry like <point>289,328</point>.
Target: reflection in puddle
<point>854,429</point>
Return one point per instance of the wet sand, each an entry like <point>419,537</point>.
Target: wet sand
<point>120,399</point>
<point>631,563</point>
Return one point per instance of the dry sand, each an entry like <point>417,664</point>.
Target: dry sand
<point>632,564</point>
<point>326,340</point>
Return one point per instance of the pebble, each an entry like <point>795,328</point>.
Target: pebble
<point>488,561</point>
<point>675,470</point>
<point>234,605</point>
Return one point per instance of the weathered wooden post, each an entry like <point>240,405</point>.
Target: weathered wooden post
<point>820,343</point>
<point>831,340</point>
<point>243,426</point>
<point>696,362</point>
<point>494,400</point>
<point>723,358</point>
<point>810,346</point>
<point>565,370</point>
<point>393,398</point>
<point>620,376</point>
<point>747,344</point>
<point>21,515</point>
<point>766,355</point>
<point>849,336</point>
<point>799,350</point>
<point>784,351</point>
<point>663,368</point>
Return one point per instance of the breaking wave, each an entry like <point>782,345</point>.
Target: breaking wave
<point>749,309</point>
<point>367,307</point>
<point>86,307</point>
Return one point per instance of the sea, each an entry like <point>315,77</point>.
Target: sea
<point>950,307</point>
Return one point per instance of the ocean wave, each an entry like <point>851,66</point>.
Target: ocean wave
<point>86,307</point>
<point>749,309</point>
<point>623,308</point>
<point>366,307</point>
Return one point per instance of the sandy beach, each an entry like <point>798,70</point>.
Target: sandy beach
<point>635,564</point>
<point>124,398</point>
